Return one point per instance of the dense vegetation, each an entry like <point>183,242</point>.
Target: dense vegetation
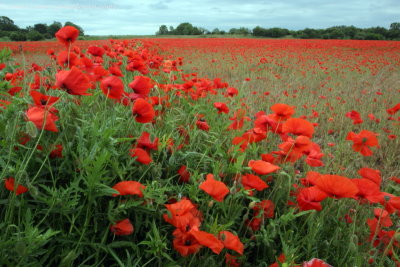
<point>336,32</point>
<point>37,32</point>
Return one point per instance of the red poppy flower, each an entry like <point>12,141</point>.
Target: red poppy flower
<point>231,261</point>
<point>142,85</point>
<point>310,198</point>
<point>74,81</point>
<point>262,167</point>
<point>129,188</point>
<point>316,263</point>
<point>42,100</point>
<point>216,189</point>
<point>42,117</point>
<point>363,141</point>
<point>355,116</point>
<point>141,155</point>
<point>371,174</point>
<point>222,107</point>
<point>143,111</point>
<point>67,35</point>
<point>68,59</point>
<point>208,240</point>
<point>232,91</point>
<point>282,111</point>
<point>145,142</point>
<point>202,125</point>
<point>11,186</point>
<point>231,241</point>
<point>96,51</point>
<point>183,214</point>
<point>298,126</point>
<point>184,175</point>
<point>253,182</point>
<point>185,243</point>
<point>57,152</point>
<point>123,227</point>
<point>265,207</point>
<point>366,188</point>
<point>336,186</point>
<point>393,110</point>
<point>112,87</point>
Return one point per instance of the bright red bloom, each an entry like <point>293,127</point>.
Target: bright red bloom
<point>298,126</point>
<point>183,214</point>
<point>202,125</point>
<point>129,188</point>
<point>11,186</point>
<point>142,85</point>
<point>145,142</point>
<point>232,91</point>
<point>363,141</point>
<point>231,241</point>
<point>141,155</point>
<point>316,263</point>
<point>67,35</point>
<point>371,174</point>
<point>355,116</point>
<point>208,240</point>
<point>336,186</point>
<point>253,182</point>
<point>42,100</point>
<point>42,117</point>
<point>143,111</point>
<point>216,189</point>
<point>74,81</point>
<point>96,51</point>
<point>184,175</point>
<point>123,227</point>
<point>282,111</point>
<point>393,110</point>
<point>222,107</point>
<point>185,243</point>
<point>112,87</point>
<point>310,198</point>
<point>68,59</point>
<point>262,167</point>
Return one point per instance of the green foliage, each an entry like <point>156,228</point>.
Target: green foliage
<point>53,28</point>
<point>18,36</point>
<point>34,36</point>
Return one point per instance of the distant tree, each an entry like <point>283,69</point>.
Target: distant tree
<point>7,24</point>
<point>40,27</point>
<point>171,30</point>
<point>18,36</point>
<point>162,30</point>
<point>241,30</point>
<point>53,28</point>
<point>34,36</point>
<point>216,31</point>
<point>395,26</point>
<point>68,23</point>
<point>187,29</point>
<point>394,31</point>
<point>259,31</point>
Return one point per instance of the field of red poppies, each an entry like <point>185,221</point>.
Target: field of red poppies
<point>199,152</point>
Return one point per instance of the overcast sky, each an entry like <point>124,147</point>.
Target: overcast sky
<point>104,17</point>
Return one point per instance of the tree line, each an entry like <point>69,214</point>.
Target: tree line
<point>336,32</point>
<point>37,32</point>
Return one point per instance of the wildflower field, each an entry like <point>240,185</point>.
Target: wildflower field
<point>199,152</point>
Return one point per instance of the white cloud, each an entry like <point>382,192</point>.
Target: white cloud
<point>101,17</point>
